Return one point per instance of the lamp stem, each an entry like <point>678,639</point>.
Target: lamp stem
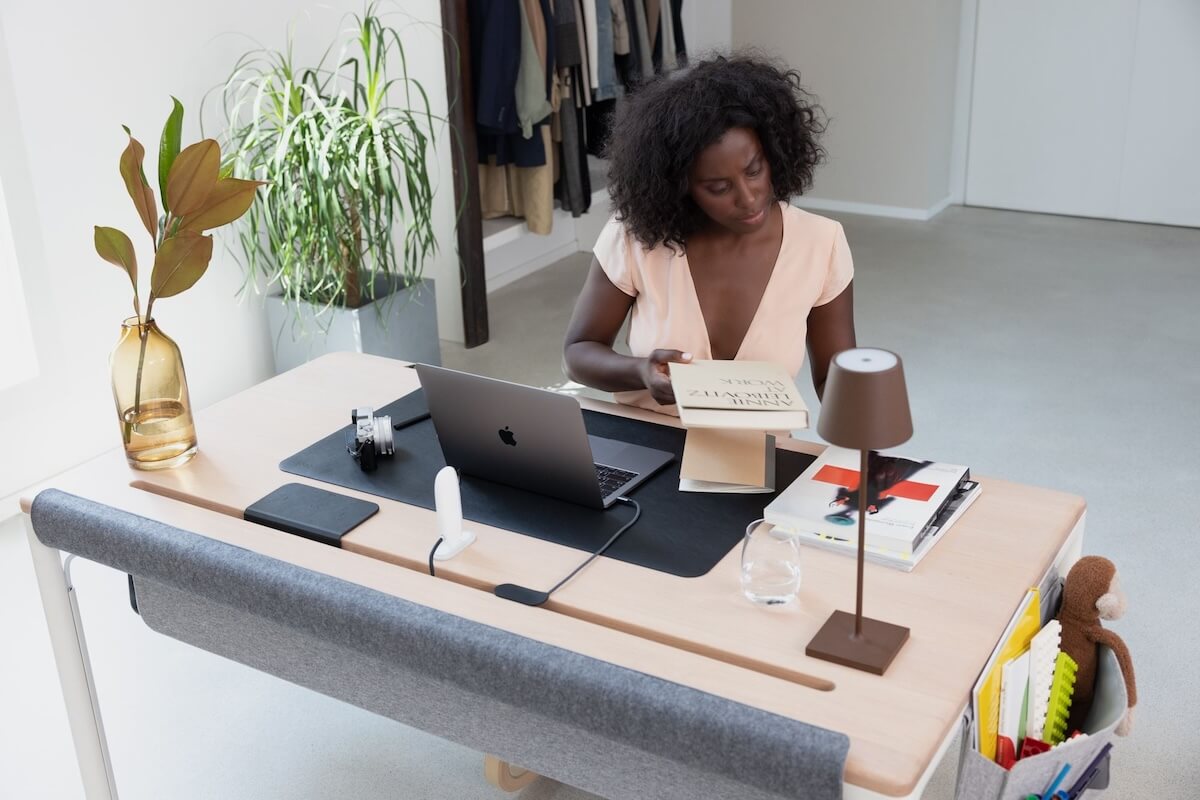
<point>862,540</point>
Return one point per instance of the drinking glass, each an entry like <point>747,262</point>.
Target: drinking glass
<point>770,565</point>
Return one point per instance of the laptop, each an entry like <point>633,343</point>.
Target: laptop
<point>530,438</point>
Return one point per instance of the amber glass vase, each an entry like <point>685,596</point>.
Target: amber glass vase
<point>150,390</point>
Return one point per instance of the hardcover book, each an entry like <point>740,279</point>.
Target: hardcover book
<point>746,395</point>
<point>904,498</point>
<point>846,542</point>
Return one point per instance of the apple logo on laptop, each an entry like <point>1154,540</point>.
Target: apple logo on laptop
<point>507,437</point>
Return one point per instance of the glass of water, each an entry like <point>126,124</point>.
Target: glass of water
<point>770,565</point>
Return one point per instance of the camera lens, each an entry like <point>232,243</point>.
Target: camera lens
<point>385,441</point>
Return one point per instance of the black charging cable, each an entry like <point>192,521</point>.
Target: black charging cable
<point>436,545</point>
<point>532,597</point>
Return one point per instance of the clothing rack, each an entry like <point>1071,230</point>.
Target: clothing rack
<point>531,150</point>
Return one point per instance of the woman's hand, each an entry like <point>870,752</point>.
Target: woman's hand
<point>656,375</point>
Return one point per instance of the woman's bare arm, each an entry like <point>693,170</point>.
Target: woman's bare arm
<point>588,350</point>
<point>830,331</point>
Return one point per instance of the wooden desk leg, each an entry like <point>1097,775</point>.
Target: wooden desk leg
<point>505,776</point>
<point>74,669</point>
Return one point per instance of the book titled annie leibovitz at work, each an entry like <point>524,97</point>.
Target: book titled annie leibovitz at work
<point>752,395</point>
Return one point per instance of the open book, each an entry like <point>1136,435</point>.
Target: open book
<point>744,395</point>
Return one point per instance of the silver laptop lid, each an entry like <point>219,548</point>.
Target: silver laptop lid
<point>529,438</point>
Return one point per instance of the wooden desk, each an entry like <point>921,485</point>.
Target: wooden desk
<point>699,632</point>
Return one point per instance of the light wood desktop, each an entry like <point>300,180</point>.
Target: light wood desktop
<point>699,632</point>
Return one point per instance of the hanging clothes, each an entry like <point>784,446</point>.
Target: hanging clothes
<point>574,187</point>
<point>547,75</point>
<point>606,71</point>
<point>495,42</point>
<point>620,25</point>
<point>680,46</point>
<point>496,34</point>
<point>516,170</point>
<point>591,39</point>
<point>668,37</point>
<point>575,182</point>
<point>666,34</point>
<point>566,38</point>
<point>653,18</point>
<point>533,100</point>
<point>639,64</point>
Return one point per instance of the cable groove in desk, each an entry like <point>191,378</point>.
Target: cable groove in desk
<point>446,572</point>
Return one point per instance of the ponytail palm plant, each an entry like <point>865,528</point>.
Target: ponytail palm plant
<point>342,148</point>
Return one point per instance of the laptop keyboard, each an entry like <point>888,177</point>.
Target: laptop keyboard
<point>611,479</point>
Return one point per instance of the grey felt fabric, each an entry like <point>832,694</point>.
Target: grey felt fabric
<point>982,779</point>
<point>604,728</point>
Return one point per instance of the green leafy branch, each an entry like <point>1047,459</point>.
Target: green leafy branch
<point>196,197</point>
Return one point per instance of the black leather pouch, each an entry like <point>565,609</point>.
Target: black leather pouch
<point>313,513</point>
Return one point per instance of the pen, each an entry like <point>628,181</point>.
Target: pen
<point>1089,773</point>
<point>1053,787</point>
<point>399,426</point>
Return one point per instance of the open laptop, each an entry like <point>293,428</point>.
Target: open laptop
<point>530,438</point>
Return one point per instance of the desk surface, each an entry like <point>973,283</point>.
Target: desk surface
<point>699,632</point>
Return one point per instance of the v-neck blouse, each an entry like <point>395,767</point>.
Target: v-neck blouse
<point>814,266</point>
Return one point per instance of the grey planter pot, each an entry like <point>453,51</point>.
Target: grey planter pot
<point>401,325</point>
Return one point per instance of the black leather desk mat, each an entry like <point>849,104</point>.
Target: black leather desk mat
<point>681,533</point>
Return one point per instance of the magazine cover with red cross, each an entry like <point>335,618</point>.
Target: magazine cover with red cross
<point>903,496</point>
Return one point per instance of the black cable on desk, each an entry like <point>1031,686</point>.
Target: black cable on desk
<point>533,597</point>
<point>637,512</point>
<point>431,552</point>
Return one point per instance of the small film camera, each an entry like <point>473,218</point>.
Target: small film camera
<point>372,437</point>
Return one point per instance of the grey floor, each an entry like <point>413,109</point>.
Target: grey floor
<point>1048,350</point>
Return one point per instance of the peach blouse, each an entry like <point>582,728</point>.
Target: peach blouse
<point>813,268</point>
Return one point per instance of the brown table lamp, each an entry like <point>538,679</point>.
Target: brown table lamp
<point>865,407</point>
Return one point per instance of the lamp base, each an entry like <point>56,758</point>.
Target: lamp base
<point>873,651</point>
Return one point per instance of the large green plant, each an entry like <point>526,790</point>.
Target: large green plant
<point>343,151</point>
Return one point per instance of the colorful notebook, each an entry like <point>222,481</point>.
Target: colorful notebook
<point>1014,688</point>
<point>986,696</point>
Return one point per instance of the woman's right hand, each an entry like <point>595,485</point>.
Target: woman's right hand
<point>656,375</point>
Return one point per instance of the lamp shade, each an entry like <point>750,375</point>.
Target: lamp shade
<point>865,404</point>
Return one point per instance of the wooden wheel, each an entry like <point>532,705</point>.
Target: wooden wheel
<point>506,776</point>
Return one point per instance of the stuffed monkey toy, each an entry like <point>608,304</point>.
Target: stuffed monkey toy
<point>1092,593</point>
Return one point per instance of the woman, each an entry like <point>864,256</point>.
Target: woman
<point>704,246</point>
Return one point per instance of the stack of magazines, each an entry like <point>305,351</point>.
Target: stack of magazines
<point>910,505</point>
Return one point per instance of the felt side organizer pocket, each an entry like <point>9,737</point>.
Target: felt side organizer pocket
<point>981,779</point>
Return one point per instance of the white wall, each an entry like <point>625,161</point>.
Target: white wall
<point>707,26</point>
<point>1050,103</point>
<point>70,74</point>
<point>885,73</point>
<point>18,356</point>
<point>1087,107</point>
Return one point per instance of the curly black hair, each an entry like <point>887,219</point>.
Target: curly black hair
<point>662,126</point>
